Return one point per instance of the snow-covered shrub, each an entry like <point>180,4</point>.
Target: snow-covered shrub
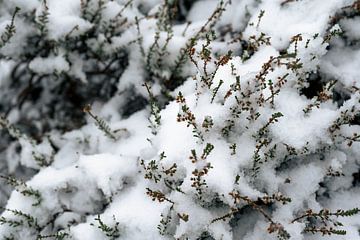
<point>180,119</point>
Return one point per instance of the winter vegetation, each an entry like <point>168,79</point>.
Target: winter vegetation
<point>180,119</point>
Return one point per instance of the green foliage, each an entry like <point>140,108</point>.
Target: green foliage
<point>14,132</point>
<point>60,235</point>
<point>11,223</point>
<point>101,123</point>
<point>41,159</point>
<point>185,115</point>
<point>31,221</point>
<point>43,19</point>
<point>155,118</point>
<point>216,90</point>
<point>112,232</point>
<point>324,221</point>
<point>10,29</point>
<point>24,189</point>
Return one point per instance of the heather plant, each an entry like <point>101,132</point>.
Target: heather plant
<point>176,119</point>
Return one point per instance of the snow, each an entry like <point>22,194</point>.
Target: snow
<point>129,210</point>
<point>6,67</point>
<point>349,26</point>
<point>295,128</point>
<point>201,9</point>
<point>282,23</point>
<point>64,16</point>
<point>340,63</point>
<point>105,168</point>
<point>49,65</point>
<point>264,122</point>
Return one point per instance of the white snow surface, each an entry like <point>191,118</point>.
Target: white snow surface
<point>94,177</point>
